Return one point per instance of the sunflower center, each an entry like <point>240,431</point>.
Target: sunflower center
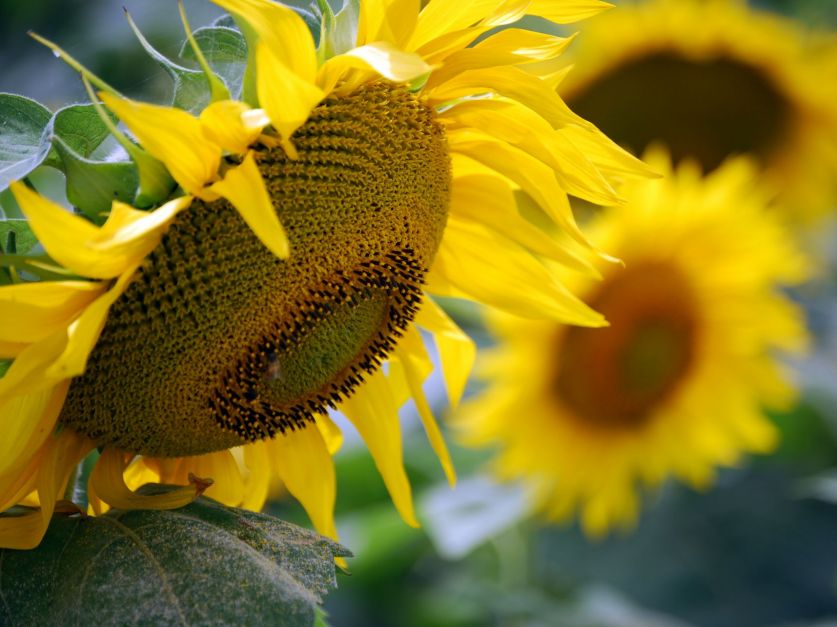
<point>217,342</point>
<point>703,109</point>
<point>615,377</point>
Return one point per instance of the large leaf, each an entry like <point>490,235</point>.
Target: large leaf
<point>22,123</point>
<point>202,564</point>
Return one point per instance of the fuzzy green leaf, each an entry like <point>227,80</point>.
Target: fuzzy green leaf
<point>79,127</point>
<point>19,233</point>
<point>93,185</point>
<point>191,88</point>
<point>202,564</point>
<point>225,51</point>
<point>22,124</point>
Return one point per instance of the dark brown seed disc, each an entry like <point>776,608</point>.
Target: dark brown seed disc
<point>217,342</point>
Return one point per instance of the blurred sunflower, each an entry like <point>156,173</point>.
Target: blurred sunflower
<point>223,324</point>
<point>677,384</point>
<point>711,79</point>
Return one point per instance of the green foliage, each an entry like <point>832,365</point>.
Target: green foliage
<point>22,149</point>
<point>202,563</point>
<point>226,52</point>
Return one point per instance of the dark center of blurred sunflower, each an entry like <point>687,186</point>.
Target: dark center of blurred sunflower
<point>707,110</point>
<point>217,342</point>
<point>617,376</point>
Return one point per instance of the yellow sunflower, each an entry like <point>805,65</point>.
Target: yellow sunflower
<point>711,79</point>
<point>207,337</point>
<point>678,383</point>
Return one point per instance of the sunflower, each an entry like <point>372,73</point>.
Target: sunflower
<point>711,79</point>
<point>676,385</point>
<point>208,336</point>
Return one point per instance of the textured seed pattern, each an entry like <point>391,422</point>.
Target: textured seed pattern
<point>217,342</point>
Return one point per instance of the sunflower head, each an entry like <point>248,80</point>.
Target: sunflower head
<point>678,383</point>
<point>712,80</point>
<point>286,240</point>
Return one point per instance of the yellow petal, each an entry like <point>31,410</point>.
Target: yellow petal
<point>28,420</point>
<point>58,459</point>
<point>374,413</point>
<point>380,57</point>
<point>10,350</point>
<point>174,137</point>
<point>489,200</point>
<point>31,311</point>
<point>490,268</point>
<point>225,123</point>
<point>244,187</point>
<point>534,177</point>
<point>567,11</point>
<point>331,433</point>
<point>392,21</point>
<point>286,97</point>
<point>108,482</point>
<point>281,30</point>
<point>302,461</point>
<point>102,253</point>
<point>440,17</point>
<point>84,332</point>
<point>412,357</point>
<point>513,83</point>
<point>258,471</point>
<point>457,351</point>
<point>221,467</point>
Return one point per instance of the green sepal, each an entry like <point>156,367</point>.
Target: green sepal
<point>22,149</point>
<point>191,88</point>
<point>79,127</point>
<point>226,52</point>
<point>338,33</point>
<point>198,563</point>
<point>93,185</point>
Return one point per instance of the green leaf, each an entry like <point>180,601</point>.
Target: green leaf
<point>204,563</point>
<point>20,234</point>
<point>225,51</point>
<point>4,366</point>
<point>93,185</point>
<point>191,89</point>
<point>79,127</point>
<point>22,124</point>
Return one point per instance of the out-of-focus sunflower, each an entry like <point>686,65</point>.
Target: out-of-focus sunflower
<point>678,383</point>
<point>209,336</point>
<point>712,79</point>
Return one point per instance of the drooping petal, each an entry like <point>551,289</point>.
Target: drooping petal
<point>282,31</point>
<point>302,461</point>
<point>457,351</point>
<point>28,420</point>
<point>257,473</point>
<point>413,359</point>
<point>374,413</point>
<point>392,21</point>
<point>567,11</point>
<point>221,467</point>
<point>98,252</point>
<point>59,457</point>
<point>331,433</point>
<point>29,312</point>
<point>488,267</point>
<point>109,484</point>
<point>490,201</point>
<point>225,123</point>
<point>173,136</point>
<point>380,57</point>
<point>440,17</point>
<point>286,97</point>
<point>244,187</point>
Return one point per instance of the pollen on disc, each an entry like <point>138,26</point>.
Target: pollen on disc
<point>217,342</point>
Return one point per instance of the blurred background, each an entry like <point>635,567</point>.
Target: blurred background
<point>758,549</point>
